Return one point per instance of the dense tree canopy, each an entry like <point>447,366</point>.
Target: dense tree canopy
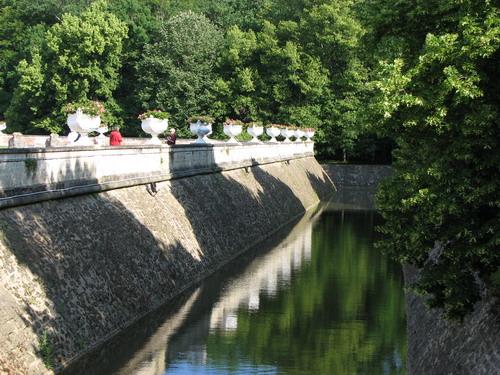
<point>440,103</point>
<point>58,73</point>
<point>24,23</point>
<point>269,76</point>
<point>177,71</point>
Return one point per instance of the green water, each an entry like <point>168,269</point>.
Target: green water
<point>317,299</point>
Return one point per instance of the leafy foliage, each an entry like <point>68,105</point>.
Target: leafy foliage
<point>223,13</point>
<point>80,59</point>
<point>297,67</point>
<point>141,18</point>
<point>24,23</point>
<point>200,118</point>
<point>161,115</point>
<point>89,107</point>
<point>178,72</point>
<point>442,109</point>
<point>267,76</point>
<point>46,350</point>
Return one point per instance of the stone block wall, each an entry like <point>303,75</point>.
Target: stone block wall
<point>357,176</point>
<point>437,346</point>
<point>78,270</point>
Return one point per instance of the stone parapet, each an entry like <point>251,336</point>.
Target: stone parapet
<point>4,140</point>
<point>29,175</point>
<point>19,140</point>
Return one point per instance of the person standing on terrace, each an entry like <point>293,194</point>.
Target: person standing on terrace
<point>115,138</point>
<point>172,137</point>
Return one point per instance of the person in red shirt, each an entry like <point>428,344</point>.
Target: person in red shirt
<point>115,138</point>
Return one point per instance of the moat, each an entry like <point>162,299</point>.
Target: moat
<point>316,298</point>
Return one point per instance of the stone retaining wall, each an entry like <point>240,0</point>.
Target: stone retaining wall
<point>80,269</point>
<point>437,346</point>
<point>358,176</point>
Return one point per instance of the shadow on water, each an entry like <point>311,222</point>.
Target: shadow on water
<point>104,259</point>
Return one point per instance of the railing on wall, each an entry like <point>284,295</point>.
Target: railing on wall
<point>18,140</point>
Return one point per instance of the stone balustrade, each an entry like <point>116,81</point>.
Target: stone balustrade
<point>29,175</point>
<point>19,140</point>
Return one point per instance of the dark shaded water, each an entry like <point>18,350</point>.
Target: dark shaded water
<point>315,299</point>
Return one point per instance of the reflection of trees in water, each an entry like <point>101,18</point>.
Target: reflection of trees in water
<point>343,313</point>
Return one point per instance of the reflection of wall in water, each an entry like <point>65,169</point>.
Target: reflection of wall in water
<point>267,274</point>
<point>151,359</point>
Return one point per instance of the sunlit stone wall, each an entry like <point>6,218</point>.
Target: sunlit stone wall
<point>30,175</point>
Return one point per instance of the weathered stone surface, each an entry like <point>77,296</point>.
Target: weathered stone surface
<point>55,140</point>
<point>360,176</point>
<point>82,268</point>
<point>436,346</point>
<point>17,336</point>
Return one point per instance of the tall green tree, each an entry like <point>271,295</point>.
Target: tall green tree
<point>268,76</point>
<point>80,58</point>
<point>142,20</point>
<point>332,32</point>
<point>178,70</point>
<point>439,100</point>
<point>24,23</point>
<point>298,66</point>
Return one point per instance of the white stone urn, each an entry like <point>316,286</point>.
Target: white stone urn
<point>232,130</point>
<point>298,135</point>
<point>255,131</point>
<point>84,124</point>
<point>72,137</point>
<point>287,133</point>
<point>309,134</point>
<point>273,132</point>
<point>102,140</point>
<point>154,126</point>
<point>202,130</point>
<point>3,126</point>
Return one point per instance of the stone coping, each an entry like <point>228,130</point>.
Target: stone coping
<point>34,150</point>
